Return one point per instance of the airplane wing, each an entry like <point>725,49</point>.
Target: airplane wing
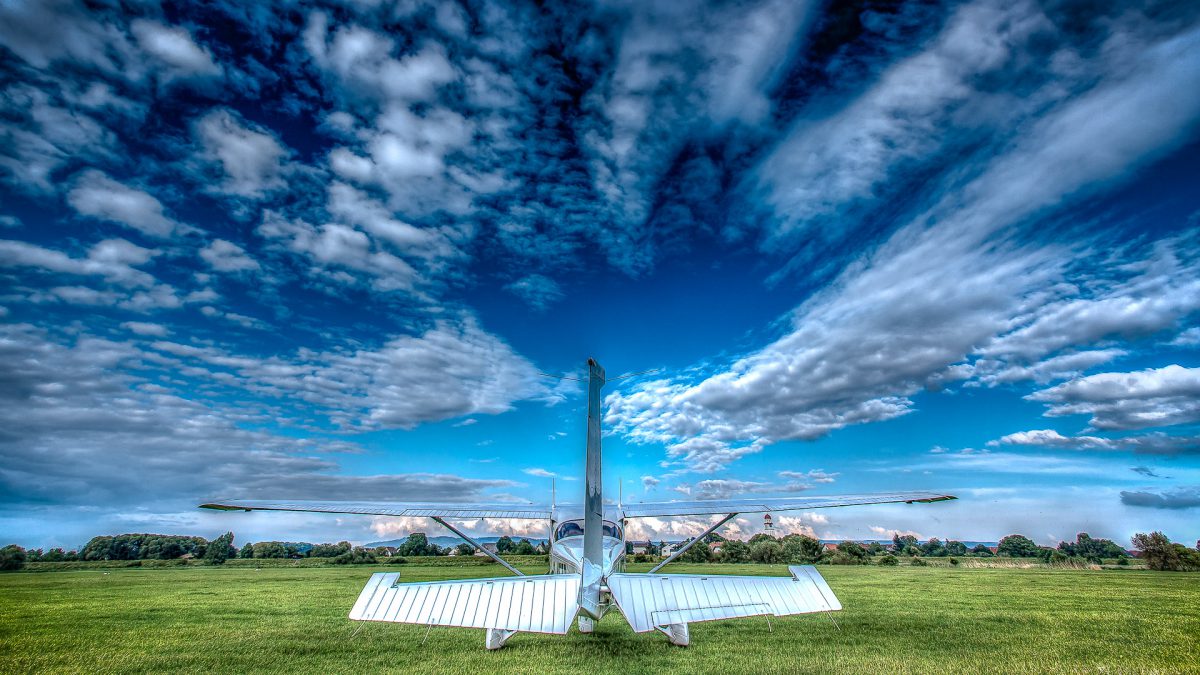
<point>535,604</point>
<point>709,507</point>
<point>531,511</point>
<point>651,601</point>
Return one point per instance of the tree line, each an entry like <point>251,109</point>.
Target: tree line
<point>1155,548</point>
<point>138,546</point>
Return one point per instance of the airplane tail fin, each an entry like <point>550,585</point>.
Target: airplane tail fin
<point>593,500</point>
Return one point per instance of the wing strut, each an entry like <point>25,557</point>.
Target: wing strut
<point>691,543</point>
<point>477,545</point>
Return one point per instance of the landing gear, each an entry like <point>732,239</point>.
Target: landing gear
<point>677,633</point>
<point>496,637</point>
<point>586,624</point>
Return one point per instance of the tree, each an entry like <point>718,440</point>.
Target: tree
<point>54,555</point>
<point>853,550</point>
<point>981,551</point>
<point>464,549</point>
<point>270,549</point>
<point>735,551</point>
<point>504,544</point>
<point>700,553</point>
<point>955,548</point>
<point>766,551</point>
<point>1160,554</point>
<point>802,550</point>
<point>220,549</point>
<point>761,536</point>
<point>329,550</point>
<point>1018,546</point>
<point>933,548</point>
<point>12,557</point>
<point>889,560</point>
<point>247,551</point>
<point>1094,550</point>
<point>523,547</point>
<point>902,544</point>
<point>416,544</point>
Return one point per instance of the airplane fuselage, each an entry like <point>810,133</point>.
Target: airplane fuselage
<point>566,543</point>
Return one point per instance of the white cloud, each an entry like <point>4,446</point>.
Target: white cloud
<point>537,290</point>
<point>95,194</point>
<point>174,47</point>
<point>226,256</point>
<point>1153,397</point>
<point>1155,443</point>
<point>540,473</point>
<point>909,314</point>
<point>451,370</point>
<point>253,162</point>
<point>41,137</point>
<point>142,328</point>
<point>336,247</point>
<point>825,164</point>
<point>112,259</point>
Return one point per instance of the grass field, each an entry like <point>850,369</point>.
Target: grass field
<point>237,619</point>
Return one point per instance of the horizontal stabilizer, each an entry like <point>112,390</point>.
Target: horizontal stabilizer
<point>412,509</point>
<point>535,604</point>
<point>652,600</point>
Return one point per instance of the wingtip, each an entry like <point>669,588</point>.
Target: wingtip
<point>930,500</point>
<point>215,506</point>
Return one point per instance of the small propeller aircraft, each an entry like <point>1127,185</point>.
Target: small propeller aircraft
<point>587,562</point>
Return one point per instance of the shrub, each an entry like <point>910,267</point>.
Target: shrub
<point>766,551</point>
<point>954,561</point>
<point>12,557</point>
<point>889,560</point>
<point>357,556</point>
<point>1122,561</point>
<point>918,562</point>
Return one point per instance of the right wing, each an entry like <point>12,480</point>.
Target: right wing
<point>651,601</point>
<point>535,604</point>
<point>531,511</point>
<point>716,506</point>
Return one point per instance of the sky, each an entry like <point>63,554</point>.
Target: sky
<point>330,250</point>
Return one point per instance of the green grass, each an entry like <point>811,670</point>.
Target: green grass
<point>293,619</point>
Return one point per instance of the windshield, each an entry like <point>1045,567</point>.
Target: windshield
<point>574,528</point>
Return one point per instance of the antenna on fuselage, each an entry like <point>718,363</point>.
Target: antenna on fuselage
<point>552,497</point>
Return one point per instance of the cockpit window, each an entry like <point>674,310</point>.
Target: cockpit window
<point>571,528</point>
<point>574,528</point>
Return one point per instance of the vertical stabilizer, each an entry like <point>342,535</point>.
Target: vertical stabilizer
<point>593,499</point>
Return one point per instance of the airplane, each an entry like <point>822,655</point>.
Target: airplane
<point>587,576</point>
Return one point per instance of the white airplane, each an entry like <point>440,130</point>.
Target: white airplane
<point>587,562</point>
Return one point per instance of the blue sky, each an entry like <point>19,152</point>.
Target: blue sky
<point>324,250</point>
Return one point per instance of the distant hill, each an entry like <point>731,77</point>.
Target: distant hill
<point>447,541</point>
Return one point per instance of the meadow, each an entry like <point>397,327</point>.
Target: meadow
<point>241,619</point>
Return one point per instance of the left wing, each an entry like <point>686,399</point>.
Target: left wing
<point>709,507</point>
<point>531,511</point>
<point>535,604</point>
